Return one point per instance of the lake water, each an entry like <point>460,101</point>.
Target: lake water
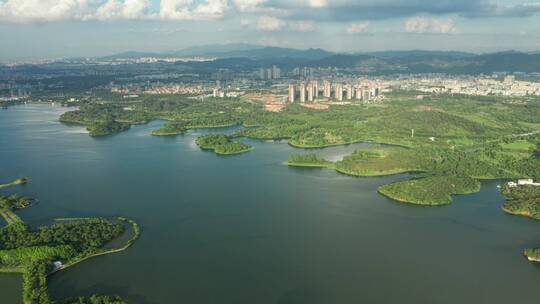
<point>247,229</point>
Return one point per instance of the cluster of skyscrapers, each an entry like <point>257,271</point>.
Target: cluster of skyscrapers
<point>270,73</point>
<point>309,91</point>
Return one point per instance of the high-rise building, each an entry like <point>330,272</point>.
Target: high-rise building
<point>316,89</point>
<point>358,93</point>
<point>302,92</point>
<point>366,94</point>
<point>349,91</point>
<point>276,72</point>
<point>291,93</point>
<point>326,89</point>
<point>310,92</point>
<point>374,92</point>
<point>270,73</point>
<point>339,92</point>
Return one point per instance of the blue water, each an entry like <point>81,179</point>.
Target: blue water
<point>247,229</point>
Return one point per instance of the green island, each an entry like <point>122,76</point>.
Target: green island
<point>524,201</point>
<point>221,144</point>
<point>431,190</point>
<point>308,160</point>
<point>37,253</point>
<point>18,181</point>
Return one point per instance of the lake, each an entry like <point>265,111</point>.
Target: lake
<point>247,229</point>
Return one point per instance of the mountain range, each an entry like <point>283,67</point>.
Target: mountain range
<point>246,56</point>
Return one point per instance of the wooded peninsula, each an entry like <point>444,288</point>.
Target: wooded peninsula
<point>37,253</point>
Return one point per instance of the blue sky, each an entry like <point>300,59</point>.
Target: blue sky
<point>67,28</point>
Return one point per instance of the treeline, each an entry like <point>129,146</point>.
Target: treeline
<point>307,160</point>
<point>96,299</point>
<point>83,235</point>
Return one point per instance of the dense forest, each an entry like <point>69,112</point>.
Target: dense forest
<point>221,144</point>
<point>430,190</point>
<point>522,200</point>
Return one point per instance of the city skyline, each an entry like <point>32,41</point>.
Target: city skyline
<point>71,28</point>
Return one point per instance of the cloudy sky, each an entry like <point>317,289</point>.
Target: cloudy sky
<point>64,28</point>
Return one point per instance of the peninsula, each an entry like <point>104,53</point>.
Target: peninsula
<point>37,253</point>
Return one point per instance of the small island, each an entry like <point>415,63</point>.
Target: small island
<point>430,190</point>
<point>222,144</point>
<point>523,199</point>
<point>37,253</point>
<point>18,181</point>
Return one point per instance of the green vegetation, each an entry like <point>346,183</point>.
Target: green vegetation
<point>522,200</point>
<point>10,203</point>
<point>431,190</point>
<point>308,160</point>
<point>32,252</point>
<point>221,144</point>
<point>452,141</point>
<point>533,254</point>
<point>106,127</point>
<point>96,299</point>
<point>382,161</point>
<point>171,128</point>
<point>104,119</point>
<point>459,136</point>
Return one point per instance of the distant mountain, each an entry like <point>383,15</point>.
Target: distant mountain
<point>247,56</point>
<point>421,53</point>
<point>341,61</point>
<point>230,51</point>
<point>213,50</point>
<point>276,52</point>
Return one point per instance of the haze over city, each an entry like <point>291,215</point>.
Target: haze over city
<point>73,28</point>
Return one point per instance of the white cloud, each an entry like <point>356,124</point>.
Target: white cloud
<point>183,10</point>
<point>421,24</point>
<point>318,3</point>
<point>244,23</point>
<point>21,11</point>
<point>357,27</point>
<point>25,11</point>
<point>270,24</point>
<point>128,9</point>
<point>302,26</point>
<point>248,5</point>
